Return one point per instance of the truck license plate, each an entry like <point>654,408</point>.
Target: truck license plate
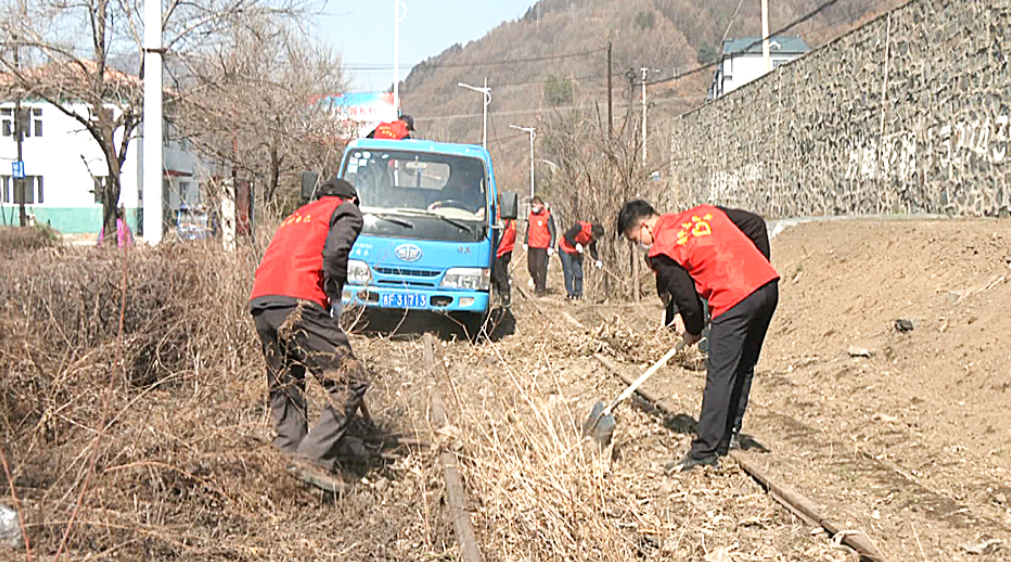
<point>403,300</point>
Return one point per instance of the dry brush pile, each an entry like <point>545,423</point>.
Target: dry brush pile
<point>154,444</point>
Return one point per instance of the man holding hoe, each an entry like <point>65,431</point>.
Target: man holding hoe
<point>721,255</point>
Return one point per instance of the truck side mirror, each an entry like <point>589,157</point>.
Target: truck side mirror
<point>309,181</point>
<point>508,205</point>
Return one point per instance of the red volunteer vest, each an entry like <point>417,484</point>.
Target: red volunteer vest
<point>723,261</point>
<point>293,263</point>
<point>508,241</point>
<point>583,238</point>
<point>538,235</point>
<point>395,130</point>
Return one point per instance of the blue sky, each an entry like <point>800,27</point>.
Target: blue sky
<point>363,31</point>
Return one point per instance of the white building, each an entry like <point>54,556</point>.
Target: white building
<point>742,60</point>
<point>63,164</point>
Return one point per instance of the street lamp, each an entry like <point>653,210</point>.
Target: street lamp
<point>532,131</point>
<point>554,167</point>
<point>487,100</point>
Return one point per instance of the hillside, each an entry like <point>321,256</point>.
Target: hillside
<point>562,44</point>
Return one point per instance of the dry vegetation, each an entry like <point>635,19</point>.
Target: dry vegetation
<point>160,435</point>
<point>541,492</point>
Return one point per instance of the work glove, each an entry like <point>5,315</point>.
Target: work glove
<point>526,247</point>
<point>579,247</point>
<point>551,252</point>
<point>598,264</point>
<point>336,309</point>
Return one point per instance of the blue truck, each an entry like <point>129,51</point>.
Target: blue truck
<point>432,220</point>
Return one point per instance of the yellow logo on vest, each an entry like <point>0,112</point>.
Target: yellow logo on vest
<point>698,226</point>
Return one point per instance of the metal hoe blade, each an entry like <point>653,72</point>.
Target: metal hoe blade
<point>599,426</point>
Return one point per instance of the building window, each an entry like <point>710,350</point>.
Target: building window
<point>31,121</point>
<point>37,121</point>
<point>29,192</point>
<point>7,121</point>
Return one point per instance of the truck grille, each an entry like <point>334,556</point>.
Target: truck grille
<point>400,271</point>
<point>404,283</point>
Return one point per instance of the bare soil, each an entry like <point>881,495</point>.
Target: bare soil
<point>909,445</point>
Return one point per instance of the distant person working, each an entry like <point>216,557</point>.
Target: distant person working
<point>394,130</point>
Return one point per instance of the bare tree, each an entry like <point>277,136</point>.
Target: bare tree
<point>71,48</point>
<point>260,102</point>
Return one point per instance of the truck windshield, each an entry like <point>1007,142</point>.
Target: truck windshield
<point>442,196</point>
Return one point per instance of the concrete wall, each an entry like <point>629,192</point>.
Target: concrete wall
<point>908,114</point>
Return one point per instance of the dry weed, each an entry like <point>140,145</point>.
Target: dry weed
<point>184,470</point>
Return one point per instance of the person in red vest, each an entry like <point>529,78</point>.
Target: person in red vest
<point>539,244</point>
<point>296,304</point>
<point>581,237</point>
<point>504,254</point>
<point>721,255</point>
<point>396,130</point>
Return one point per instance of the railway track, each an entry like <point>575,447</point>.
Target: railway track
<point>857,491</point>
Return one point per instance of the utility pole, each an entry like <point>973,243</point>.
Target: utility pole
<point>487,100</point>
<point>153,138</point>
<point>533,133</point>
<point>397,18</point>
<point>644,130</point>
<point>765,34</point>
<point>19,136</point>
<point>610,100</point>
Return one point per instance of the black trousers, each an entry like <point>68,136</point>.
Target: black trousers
<point>537,265</point>
<point>500,275</point>
<point>304,338</point>
<point>734,347</point>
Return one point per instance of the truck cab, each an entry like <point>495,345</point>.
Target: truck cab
<point>431,227</point>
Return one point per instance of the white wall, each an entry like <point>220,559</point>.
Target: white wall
<point>746,67</point>
<point>67,156</point>
<point>63,156</point>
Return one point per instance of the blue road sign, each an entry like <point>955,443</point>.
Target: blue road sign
<point>18,169</point>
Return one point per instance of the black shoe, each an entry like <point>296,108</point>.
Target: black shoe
<point>688,462</point>
<point>741,442</point>
<point>735,442</point>
<point>315,475</point>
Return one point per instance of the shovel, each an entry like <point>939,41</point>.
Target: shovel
<point>600,424</point>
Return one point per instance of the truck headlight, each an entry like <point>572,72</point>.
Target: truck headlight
<point>358,273</point>
<point>471,278</point>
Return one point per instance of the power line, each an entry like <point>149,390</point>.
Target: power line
<point>820,8</point>
<point>542,110</point>
<point>428,65</point>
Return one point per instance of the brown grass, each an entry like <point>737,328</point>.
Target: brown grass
<point>19,240</point>
<point>184,470</point>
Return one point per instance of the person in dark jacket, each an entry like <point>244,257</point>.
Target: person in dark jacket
<point>722,256</point>
<point>395,130</point>
<point>575,242</point>
<point>539,244</point>
<point>296,304</point>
